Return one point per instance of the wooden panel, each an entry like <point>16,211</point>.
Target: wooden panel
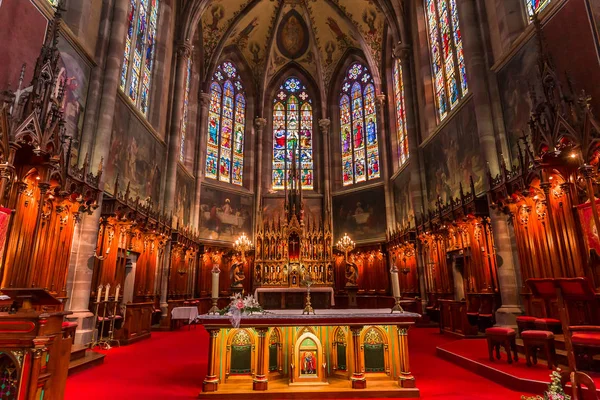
<point>138,321</point>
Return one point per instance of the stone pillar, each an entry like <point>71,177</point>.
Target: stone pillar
<point>259,126</point>
<point>85,238</point>
<point>405,378</point>
<point>358,376</point>
<point>164,280</point>
<point>478,84</point>
<point>384,164</point>
<point>324,125</point>
<point>204,99</point>
<point>128,286</point>
<point>184,52</point>
<point>260,381</point>
<point>211,382</point>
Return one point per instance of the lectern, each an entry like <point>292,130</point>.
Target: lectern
<point>34,355</point>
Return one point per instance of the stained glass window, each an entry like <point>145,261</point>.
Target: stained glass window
<point>226,126</point>
<point>447,58</point>
<point>292,134</point>
<point>401,133</point>
<point>535,6</point>
<point>140,44</point>
<point>358,122</point>
<point>184,119</point>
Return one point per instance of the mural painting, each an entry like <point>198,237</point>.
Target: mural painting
<point>224,215</point>
<point>403,207</point>
<point>183,197</point>
<point>136,156</point>
<point>514,84</point>
<point>452,157</point>
<point>74,74</point>
<point>361,215</point>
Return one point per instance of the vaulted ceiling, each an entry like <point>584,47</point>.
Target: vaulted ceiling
<point>270,34</point>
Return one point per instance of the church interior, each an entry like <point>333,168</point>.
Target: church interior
<point>303,199</point>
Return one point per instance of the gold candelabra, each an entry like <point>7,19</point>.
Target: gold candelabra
<point>345,245</point>
<point>242,244</point>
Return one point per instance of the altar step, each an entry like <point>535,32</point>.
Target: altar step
<point>83,358</point>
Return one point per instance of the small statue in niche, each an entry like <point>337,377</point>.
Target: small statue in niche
<point>236,272</point>
<point>257,274</point>
<point>351,274</point>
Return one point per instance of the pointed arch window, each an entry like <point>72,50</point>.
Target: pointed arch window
<point>140,45</point>
<point>535,6</point>
<point>292,134</point>
<point>226,126</point>
<point>401,133</point>
<point>360,151</point>
<point>184,119</point>
<point>447,58</point>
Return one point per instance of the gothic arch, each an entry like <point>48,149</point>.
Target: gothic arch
<point>230,337</point>
<point>385,341</point>
<point>320,370</point>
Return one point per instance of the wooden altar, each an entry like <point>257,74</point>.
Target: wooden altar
<point>334,353</point>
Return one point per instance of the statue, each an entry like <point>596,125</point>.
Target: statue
<point>351,274</point>
<point>236,272</point>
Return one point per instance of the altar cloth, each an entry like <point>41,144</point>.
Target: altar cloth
<point>331,317</point>
<point>295,290</point>
<point>189,313</point>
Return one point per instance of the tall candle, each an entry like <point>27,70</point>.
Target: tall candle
<point>117,293</point>
<point>215,285</point>
<point>107,291</point>
<point>395,284</point>
<point>99,294</point>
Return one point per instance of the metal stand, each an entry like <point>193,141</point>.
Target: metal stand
<point>111,338</point>
<point>397,306</point>
<point>308,308</point>
<point>214,309</point>
<point>101,340</point>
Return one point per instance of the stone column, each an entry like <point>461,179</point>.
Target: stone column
<point>204,99</point>
<point>84,240</point>
<point>478,84</point>
<point>164,280</point>
<point>211,382</point>
<point>259,126</point>
<point>403,52</point>
<point>184,52</point>
<point>384,164</point>
<point>358,376</point>
<point>405,378</point>
<point>260,381</point>
<point>324,125</point>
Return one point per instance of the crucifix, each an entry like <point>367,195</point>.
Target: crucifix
<point>294,242</point>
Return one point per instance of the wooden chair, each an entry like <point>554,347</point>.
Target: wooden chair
<point>473,306</point>
<point>486,311</point>
<point>581,381</point>
<point>539,340</point>
<point>501,336</point>
<point>545,289</point>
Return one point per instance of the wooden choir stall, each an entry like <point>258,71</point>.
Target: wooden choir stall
<point>356,352</point>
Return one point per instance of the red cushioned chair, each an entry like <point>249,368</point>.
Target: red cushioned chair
<point>545,289</point>
<point>501,336</point>
<point>585,338</point>
<point>538,340</point>
<point>525,323</point>
<point>68,329</point>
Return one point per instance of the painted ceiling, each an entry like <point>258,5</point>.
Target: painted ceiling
<point>272,33</point>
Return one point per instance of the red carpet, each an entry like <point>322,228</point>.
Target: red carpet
<point>171,365</point>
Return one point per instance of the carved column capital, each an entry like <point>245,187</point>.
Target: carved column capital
<point>204,99</point>
<point>184,49</point>
<point>380,100</point>
<point>324,125</point>
<point>260,123</point>
<point>402,51</point>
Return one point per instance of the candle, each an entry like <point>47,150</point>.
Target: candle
<point>106,293</point>
<point>117,293</point>
<point>395,284</point>
<point>215,285</point>
<point>99,294</point>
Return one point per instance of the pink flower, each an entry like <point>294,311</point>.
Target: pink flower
<point>240,304</point>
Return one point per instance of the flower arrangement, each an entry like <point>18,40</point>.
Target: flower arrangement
<point>239,306</point>
<point>555,389</point>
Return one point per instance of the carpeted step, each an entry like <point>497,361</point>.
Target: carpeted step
<point>78,351</point>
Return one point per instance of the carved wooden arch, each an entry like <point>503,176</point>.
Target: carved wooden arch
<point>321,360</point>
<point>253,357</point>
<point>279,351</point>
<point>334,350</point>
<point>386,350</point>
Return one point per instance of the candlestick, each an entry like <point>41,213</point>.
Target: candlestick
<point>215,289</point>
<point>99,294</point>
<point>107,291</point>
<point>395,284</point>
<point>117,292</point>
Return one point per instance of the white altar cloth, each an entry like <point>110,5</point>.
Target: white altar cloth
<point>296,289</point>
<point>189,313</point>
